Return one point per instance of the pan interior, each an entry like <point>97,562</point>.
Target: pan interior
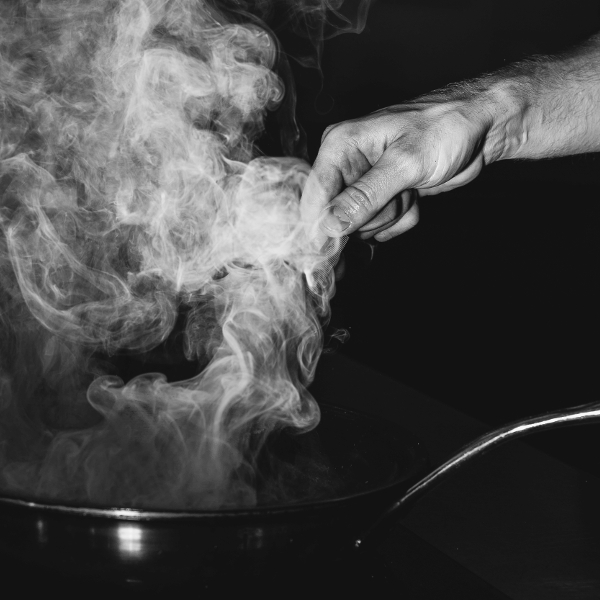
<point>349,453</point>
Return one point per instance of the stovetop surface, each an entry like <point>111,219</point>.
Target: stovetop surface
<point>404,565</point>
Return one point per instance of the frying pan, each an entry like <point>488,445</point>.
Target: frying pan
<point>359,473</point>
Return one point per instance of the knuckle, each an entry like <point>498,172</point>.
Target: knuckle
<point>335,145</point>
<point>338,132</point>
<point>411,219</point>
<point>349,134</point>
<point>384,236</point>
<point>327,131</point>
<point>362,196</point>
<point>365,235</point>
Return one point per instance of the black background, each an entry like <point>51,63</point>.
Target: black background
<point>491,303</point>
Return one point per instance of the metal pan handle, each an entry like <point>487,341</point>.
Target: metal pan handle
<point>587,413</point>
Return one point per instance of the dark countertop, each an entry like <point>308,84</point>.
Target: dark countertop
<point>520,521</point>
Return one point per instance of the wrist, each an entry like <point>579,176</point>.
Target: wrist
<point>498,108</point>
<point>507,134</point>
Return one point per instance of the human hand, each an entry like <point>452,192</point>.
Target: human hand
<point>369,171</point>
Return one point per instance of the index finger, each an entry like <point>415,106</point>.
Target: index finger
<point>324,182</point>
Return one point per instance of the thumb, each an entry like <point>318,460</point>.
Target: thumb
<point>365,197</point>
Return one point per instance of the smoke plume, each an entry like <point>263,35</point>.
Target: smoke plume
<point>134,206</point>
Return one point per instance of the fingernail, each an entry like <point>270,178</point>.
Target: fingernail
<point>335,220</point>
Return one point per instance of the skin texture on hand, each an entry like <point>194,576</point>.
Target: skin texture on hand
<point>370,171</point>
<point>365,169</point>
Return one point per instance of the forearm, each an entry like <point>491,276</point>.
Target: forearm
<point>538,108</point>
<point>545,107</point>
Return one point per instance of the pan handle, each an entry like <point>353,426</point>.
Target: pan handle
<point>587,413</point>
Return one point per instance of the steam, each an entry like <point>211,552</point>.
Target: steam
<point>132,199</point>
